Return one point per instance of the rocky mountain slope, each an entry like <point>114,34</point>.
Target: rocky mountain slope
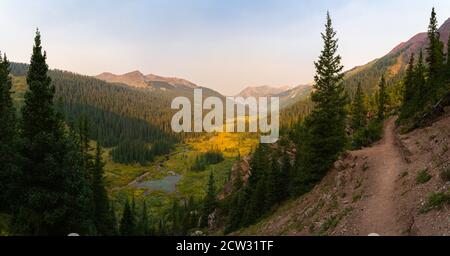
<point>399,186</point>
<point>392,64</point>
<point>294,95</point>
<point>288,95</point>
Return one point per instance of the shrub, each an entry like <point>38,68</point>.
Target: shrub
<point>436,201</point>
<point>368,135</point>
<point>330,223</point>
<point>423,177</point>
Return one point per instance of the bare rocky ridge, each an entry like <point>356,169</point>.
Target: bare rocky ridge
<point>171,85</point>
<point>374,190</point>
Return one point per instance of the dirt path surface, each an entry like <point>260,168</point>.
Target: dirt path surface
<point>379,212</point>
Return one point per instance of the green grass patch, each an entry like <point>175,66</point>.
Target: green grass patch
<point>436,201</point>
<point>423,177</point>
<point>356,198</point>
<point>330,223</point>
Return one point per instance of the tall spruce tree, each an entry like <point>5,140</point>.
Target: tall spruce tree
<point>56,193</point>
<point>274,191</point>
<point>420,83</point>
<point>102,218</point>
<point>323,133</point>
<point>286,175</point>
<point>435,49</point>
<point>359,110</point>
<point>382,99</point>
<point>127,223</point>
<point>253,204</point>
<point>9,158</point>
<point>448,54</point>
<point>113,219</point>
<point>210,201</point>
<point>409,91</point>
<point>85,147</point>
<point>143,226</point>
<point>409,81</point>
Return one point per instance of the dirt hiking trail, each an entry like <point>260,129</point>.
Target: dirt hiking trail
<point>386,163</point>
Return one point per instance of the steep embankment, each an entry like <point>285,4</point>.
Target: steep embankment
<point>381,189</point>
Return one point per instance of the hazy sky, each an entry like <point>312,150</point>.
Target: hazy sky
<point>222,44</point>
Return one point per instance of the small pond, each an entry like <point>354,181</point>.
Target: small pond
<point>168,184</point>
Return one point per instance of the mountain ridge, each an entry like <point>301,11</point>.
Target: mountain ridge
<point>138,79</point>
<point>262,91</point>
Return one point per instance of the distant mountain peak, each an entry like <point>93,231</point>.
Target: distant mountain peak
<point>134,79</point>
<point>263,91</point>
<point>171,80</point>
<point>138,79</point>
<point>135,73</point>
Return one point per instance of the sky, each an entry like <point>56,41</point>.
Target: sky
<point>226,45</point>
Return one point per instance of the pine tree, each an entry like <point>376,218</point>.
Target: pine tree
<point>85,147</point>
<point>113,220</point>
<point>210,201</point>
<point>420,83</point>
<point>323,135</point>
<point>447,66</point>
<point>274,185</point>
<point>9,170</point>
<point>143,222</point>
<point>409,81</point>
<point>234,214</point>
<point>127,223</point>
<point>286,176</point>
<point>193,212</point>
<point>435,49</point>
<point>102,216</point>
<point>359,110</point>
<point>133,206</point>
<point>448,55</point>
<point>56,195</point>
<point>257,203</point>
<point>238,182</point>
<point>382,99</point>
<point>409,90</point>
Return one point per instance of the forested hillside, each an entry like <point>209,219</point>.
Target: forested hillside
<point>116,114</point>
